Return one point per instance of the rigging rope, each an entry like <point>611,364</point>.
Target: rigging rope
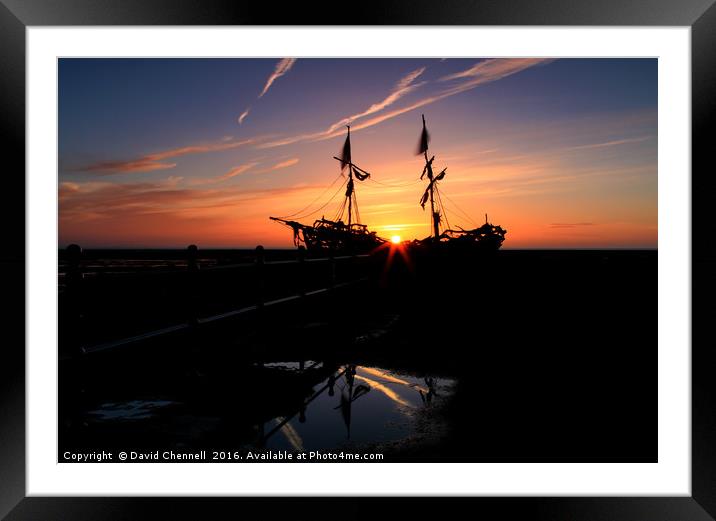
<point>314,201</point>
<point>394,186</point>
<point>442,207</point>
<point>341,209</point>
<point>464,214</point>
<point>355,205</point>
<point>327,202</point>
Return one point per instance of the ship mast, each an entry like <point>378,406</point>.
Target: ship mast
<point>350,190</point>
<point>432,179</point>
<point>353,171</point>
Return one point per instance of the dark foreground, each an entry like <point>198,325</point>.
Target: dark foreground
<point>523,357</point>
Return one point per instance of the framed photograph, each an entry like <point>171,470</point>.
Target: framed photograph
<point>436,252</point>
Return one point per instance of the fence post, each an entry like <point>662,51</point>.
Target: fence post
<point>192,267</point>
<point>73,287</point>
<point>260,268</point>
<point>191,257</point>
<point>332,264</point>
<point>301,254</point>
<point>74,274</point>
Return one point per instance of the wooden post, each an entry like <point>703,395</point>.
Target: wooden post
<point>73,288</point>
<point>192,265</point>
<point>332,267</point>
<point>301,254</point>
<point>74,273</point>
<point>260,269</point>
<point>191,257</point>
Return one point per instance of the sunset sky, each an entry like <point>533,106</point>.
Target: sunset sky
<point>167,152</point>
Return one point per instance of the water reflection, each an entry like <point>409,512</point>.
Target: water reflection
<point>295,406</point>
<point>372,405</point>
<point>129,411</point>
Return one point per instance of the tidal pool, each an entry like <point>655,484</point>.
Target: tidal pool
<point>366,405</point>
<point>293,406</point>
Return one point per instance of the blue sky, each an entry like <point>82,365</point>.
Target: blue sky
<point>562,152</point>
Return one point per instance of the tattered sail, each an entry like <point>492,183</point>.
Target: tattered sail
<point>426,194</point>
<point>346,161</point>
<point>487,237</point>
<point>346,153</point>
<point>431,188</point>
<point>334,234</point>
<point>424,140</point>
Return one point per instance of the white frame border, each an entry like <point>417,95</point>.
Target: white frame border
<point>670,476</point>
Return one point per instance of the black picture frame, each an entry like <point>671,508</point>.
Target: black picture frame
<point>17,15</point>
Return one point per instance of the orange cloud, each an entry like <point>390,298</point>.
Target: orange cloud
<point>569,225</point>
<point>100,199</point>
<point>285,164</point>
<point>152,162</point>
<point>235,171</point>
<point>162,215</point>
<point>138,165</point>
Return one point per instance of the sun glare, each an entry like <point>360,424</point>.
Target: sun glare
<point>395,239</point>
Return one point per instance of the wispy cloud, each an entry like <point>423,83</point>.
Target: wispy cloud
<point>103,200</point>
<point>243,115</point>
<point>569,225</point>
<point>154,161</point>
<point>404,86</point>
<point>244,168</point>
<point>610,143</point>
<point>496,68</point>
<point>487,72</point>
<point>144,164</point>
<point>235,171</point>
<point>483,72</point>
<point>285,164</point>
<point>282,67</point>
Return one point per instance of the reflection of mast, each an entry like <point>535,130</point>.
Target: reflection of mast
<point>432,179</point>
<point>347,403</point>
<point>354,392</point>
<point>328,386</point>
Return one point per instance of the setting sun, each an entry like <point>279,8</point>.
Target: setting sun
<point>217,178</point>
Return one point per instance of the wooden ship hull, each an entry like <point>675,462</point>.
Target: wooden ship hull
<point>326,237</point>
<point>483,239</point>
<point>336,236</point>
